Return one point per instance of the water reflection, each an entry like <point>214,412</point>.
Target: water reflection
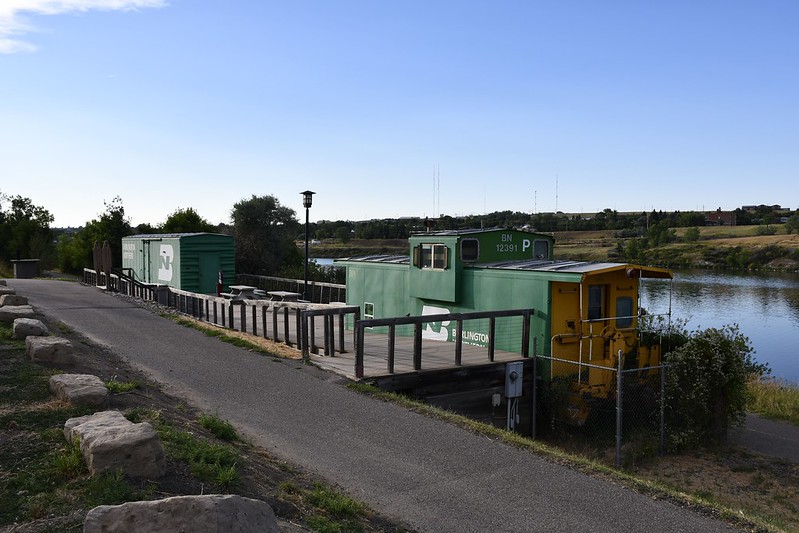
<point>764,305</point>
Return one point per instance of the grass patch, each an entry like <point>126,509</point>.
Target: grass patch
<point>69,463</point>
<point>118,387</point>
<point>774,399</point>
<point>209,462</point>
<point>332,511</point>
<point>221,429</point>
<point>334,503</point>
<point>218,334</point>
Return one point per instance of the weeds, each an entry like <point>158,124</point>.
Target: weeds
<point>220,428</point>
<point>774,398</point>
<point>69,463</point>
<point>119,387</point>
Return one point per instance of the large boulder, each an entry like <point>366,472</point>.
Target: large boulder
<point>51,350</point>
<point>6,290</point>
<point>9,313</point>
<point>12,299</point>
<point>79,389</point>
<point>199,514</point>
<point>110,442</point>
<point>28,327</point>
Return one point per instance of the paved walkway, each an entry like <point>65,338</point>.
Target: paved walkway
<point>430,474</point>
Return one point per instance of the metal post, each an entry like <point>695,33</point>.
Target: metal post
<point>307,200</point>
<point>662,409</point>
<point>535,394</point>
<point>359,349</point>
<point>619,398</point>
<point>305,287</point>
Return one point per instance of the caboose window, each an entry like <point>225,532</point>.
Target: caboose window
<point>470,250</point>
<point>624,312</point>
<point>434,256</point>
<point>541,249</point>
<point>596,302</point>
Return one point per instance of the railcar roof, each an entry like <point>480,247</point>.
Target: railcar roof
<point>170,235</point>
<point>471,231</point>
<point>535,265</point>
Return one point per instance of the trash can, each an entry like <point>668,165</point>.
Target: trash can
<point>25,268</point>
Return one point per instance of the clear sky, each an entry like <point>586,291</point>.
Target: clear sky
<point>398,108</point>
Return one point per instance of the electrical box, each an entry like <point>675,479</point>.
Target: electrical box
<point>513,379</point>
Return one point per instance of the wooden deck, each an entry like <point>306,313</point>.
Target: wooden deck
<point>279,322</point>
<point>436,355</point>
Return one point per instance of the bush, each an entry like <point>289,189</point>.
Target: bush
<point>706,386</point>
<point>692,234</point>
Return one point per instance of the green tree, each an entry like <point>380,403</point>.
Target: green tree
<point>792,226</point>
<point>659,234</point>
<point>706,391</point>
<point>186,221</point>
<point>75,251</point>
<point>24,229</point>
<point>690,218</point>
<point>692,234</point>
<point>264,231</point>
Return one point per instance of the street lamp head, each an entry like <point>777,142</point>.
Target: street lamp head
<point>307,198</point>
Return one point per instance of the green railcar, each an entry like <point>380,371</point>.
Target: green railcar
<point>187,261</point>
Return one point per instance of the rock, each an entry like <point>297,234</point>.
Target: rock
<point>28,327</point>
<point>110,442</point>
<point>13,299</point>
<point>9,313</point>
<point>7,290</point>
<point>198,514</point>
<point>53,350</point>
<point>3,283</point>
<point>79,389</point>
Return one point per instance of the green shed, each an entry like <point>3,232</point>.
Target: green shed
<point>187,261</point>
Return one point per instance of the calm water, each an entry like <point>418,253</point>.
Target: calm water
<point>764,305</point>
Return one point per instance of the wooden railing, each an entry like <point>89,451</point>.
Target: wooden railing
<point>419,321</point>
<point>276,321</point>
<point>329,331</point>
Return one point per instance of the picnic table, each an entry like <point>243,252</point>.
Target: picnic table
<point>284,296</point>
<point>243,292</point>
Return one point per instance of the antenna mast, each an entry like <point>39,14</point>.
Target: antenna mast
<point>556,191</point>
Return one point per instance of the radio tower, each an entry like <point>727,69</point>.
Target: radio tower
<point>556,191</point>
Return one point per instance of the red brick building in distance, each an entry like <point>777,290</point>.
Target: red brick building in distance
<point>720,218</point>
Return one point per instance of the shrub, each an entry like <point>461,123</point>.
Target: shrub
<point>706,386</point>
<point>692,234</point>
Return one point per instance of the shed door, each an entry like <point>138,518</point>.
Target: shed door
<point>210,265</point>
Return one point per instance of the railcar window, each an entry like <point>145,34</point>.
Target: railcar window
<point>470,250</point>
<point>434,256</point>
<point>624,310</point>
<point>596,302</point>
<point>541,249</point>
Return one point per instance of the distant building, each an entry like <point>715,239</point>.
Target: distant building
<point>721,218</point>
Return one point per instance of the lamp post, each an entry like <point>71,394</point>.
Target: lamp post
<point>307,200</point>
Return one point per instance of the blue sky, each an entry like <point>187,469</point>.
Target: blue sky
<point>391,109</point>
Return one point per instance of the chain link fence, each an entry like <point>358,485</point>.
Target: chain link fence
<point>611,414</point>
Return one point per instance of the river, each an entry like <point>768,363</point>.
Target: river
<point>764,305</point>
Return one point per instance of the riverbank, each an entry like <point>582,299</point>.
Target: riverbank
<point>713,247</point>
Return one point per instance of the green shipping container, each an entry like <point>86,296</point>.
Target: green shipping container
<point>186,261</point>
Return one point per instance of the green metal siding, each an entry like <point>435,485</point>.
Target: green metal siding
<point>385,287</point>
<point>188,261</point>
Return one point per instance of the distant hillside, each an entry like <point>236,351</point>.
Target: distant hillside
<point>737,247</point>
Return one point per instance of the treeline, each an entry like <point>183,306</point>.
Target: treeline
<point>263,229</point>
<point>630,224</point>
<point>267,233</point>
